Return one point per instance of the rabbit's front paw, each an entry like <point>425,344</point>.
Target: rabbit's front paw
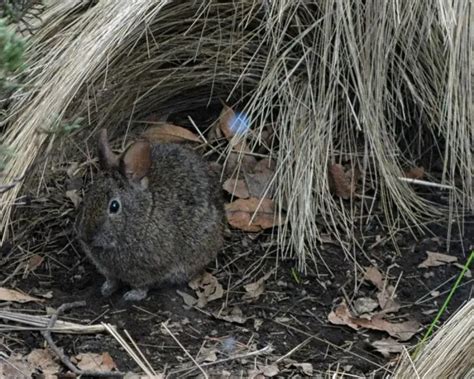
<point>135,294</point>
<point>109,287</point>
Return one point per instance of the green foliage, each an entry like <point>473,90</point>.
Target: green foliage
<point>12,48</point>
<point>61,129</point>
<point>5,155</point>
<point>443,308</point>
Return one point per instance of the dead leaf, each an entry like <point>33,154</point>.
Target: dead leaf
<point>386,295</point>
<point>207,288</point>
<point>74,197</point>
<point>365,305</point>
<point>16,296</point>
<point>260,211</point>
<point>255,289</point>
<point>37,362</point>
<point>46,295</point>
<point>403,330</point>
<point>386,299</point>
<point>234,315</point>
<point>265,165</point>
<point>188,299</point>
<point>305,368</point>
<point>169,133</point>
<point>270,370</point>
<point>208,354</point>
<point>415,173</point>
<point>373,275</point>
<point>95,362</point>
<point>387,346</point>
<point>342,316</point>
<point>225,120</point>
<point>467,274</point>
<point>437,259</point>
<point>342,183</point>
<point>34,262</point>
<point>167,327</point>
<point>260,184</point>
<point>237,188</point>
<point>43,359</point>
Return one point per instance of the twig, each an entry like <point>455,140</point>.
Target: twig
<point>425,183</point>
<point>64,359</point>
<point>185,351</point>
<point>264,350</point>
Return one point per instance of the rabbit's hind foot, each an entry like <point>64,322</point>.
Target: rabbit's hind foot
<point>109,287</point>
<point>136,294</point>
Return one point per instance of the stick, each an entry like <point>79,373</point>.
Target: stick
<point>64,359</point>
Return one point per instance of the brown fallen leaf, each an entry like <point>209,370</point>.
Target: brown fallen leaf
<point>34,262</point>
<point>255,289</point>
<point>208,354</point>
<point>342,183</point>
<point>305,368</point>
<point>467,274</point>
<point>403,330</point>
<point>39,362</point>
<point>373,275</point>
<point>386,295</point>
<point>189,300</point>
<point>437,259</point>
<point>387,302</point>
<point>225,119</point>
<point>169,133</point>
<point>342,316</point>
<point>16,296</point>
<point>237,188</point>
<point>45,360</point>
<point>252,215</point>
<point>260,184</point>
<point>363,305</point>
<point>264,166</point>
<point>270,370</point>
<point>387,346</point>
<point>240,158</point>
<point>207,288</point>
<point>415,173</point>
<point>234,315</point>
<point>95,362</point>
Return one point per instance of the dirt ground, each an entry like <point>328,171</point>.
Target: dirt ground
<point>284,327</point>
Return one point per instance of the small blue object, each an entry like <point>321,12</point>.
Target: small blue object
<point>239,123</point>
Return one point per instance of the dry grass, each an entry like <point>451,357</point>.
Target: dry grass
<point>450,352</point>
<point>380,87</point>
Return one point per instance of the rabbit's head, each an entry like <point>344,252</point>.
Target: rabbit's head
<point>118,200</point>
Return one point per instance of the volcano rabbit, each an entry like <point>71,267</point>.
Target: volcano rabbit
<point>154,214</point>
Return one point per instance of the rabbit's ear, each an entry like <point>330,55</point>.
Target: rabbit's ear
<point>135,163</point>
<point>107,159</point>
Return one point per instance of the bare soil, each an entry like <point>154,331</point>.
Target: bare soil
<point>289,320</point>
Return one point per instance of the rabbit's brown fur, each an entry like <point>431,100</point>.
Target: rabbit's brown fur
<point>170,222</point>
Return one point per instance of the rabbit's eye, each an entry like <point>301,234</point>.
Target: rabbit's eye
<point>114,206</point>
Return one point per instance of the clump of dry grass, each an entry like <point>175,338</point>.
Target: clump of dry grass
<point>380,87</point>
<point>448,354</point>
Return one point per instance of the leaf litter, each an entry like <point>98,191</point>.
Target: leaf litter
<point>7,294</point>
<point>435,259</point>
<point>38,362</point>
<point>402,330</point>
